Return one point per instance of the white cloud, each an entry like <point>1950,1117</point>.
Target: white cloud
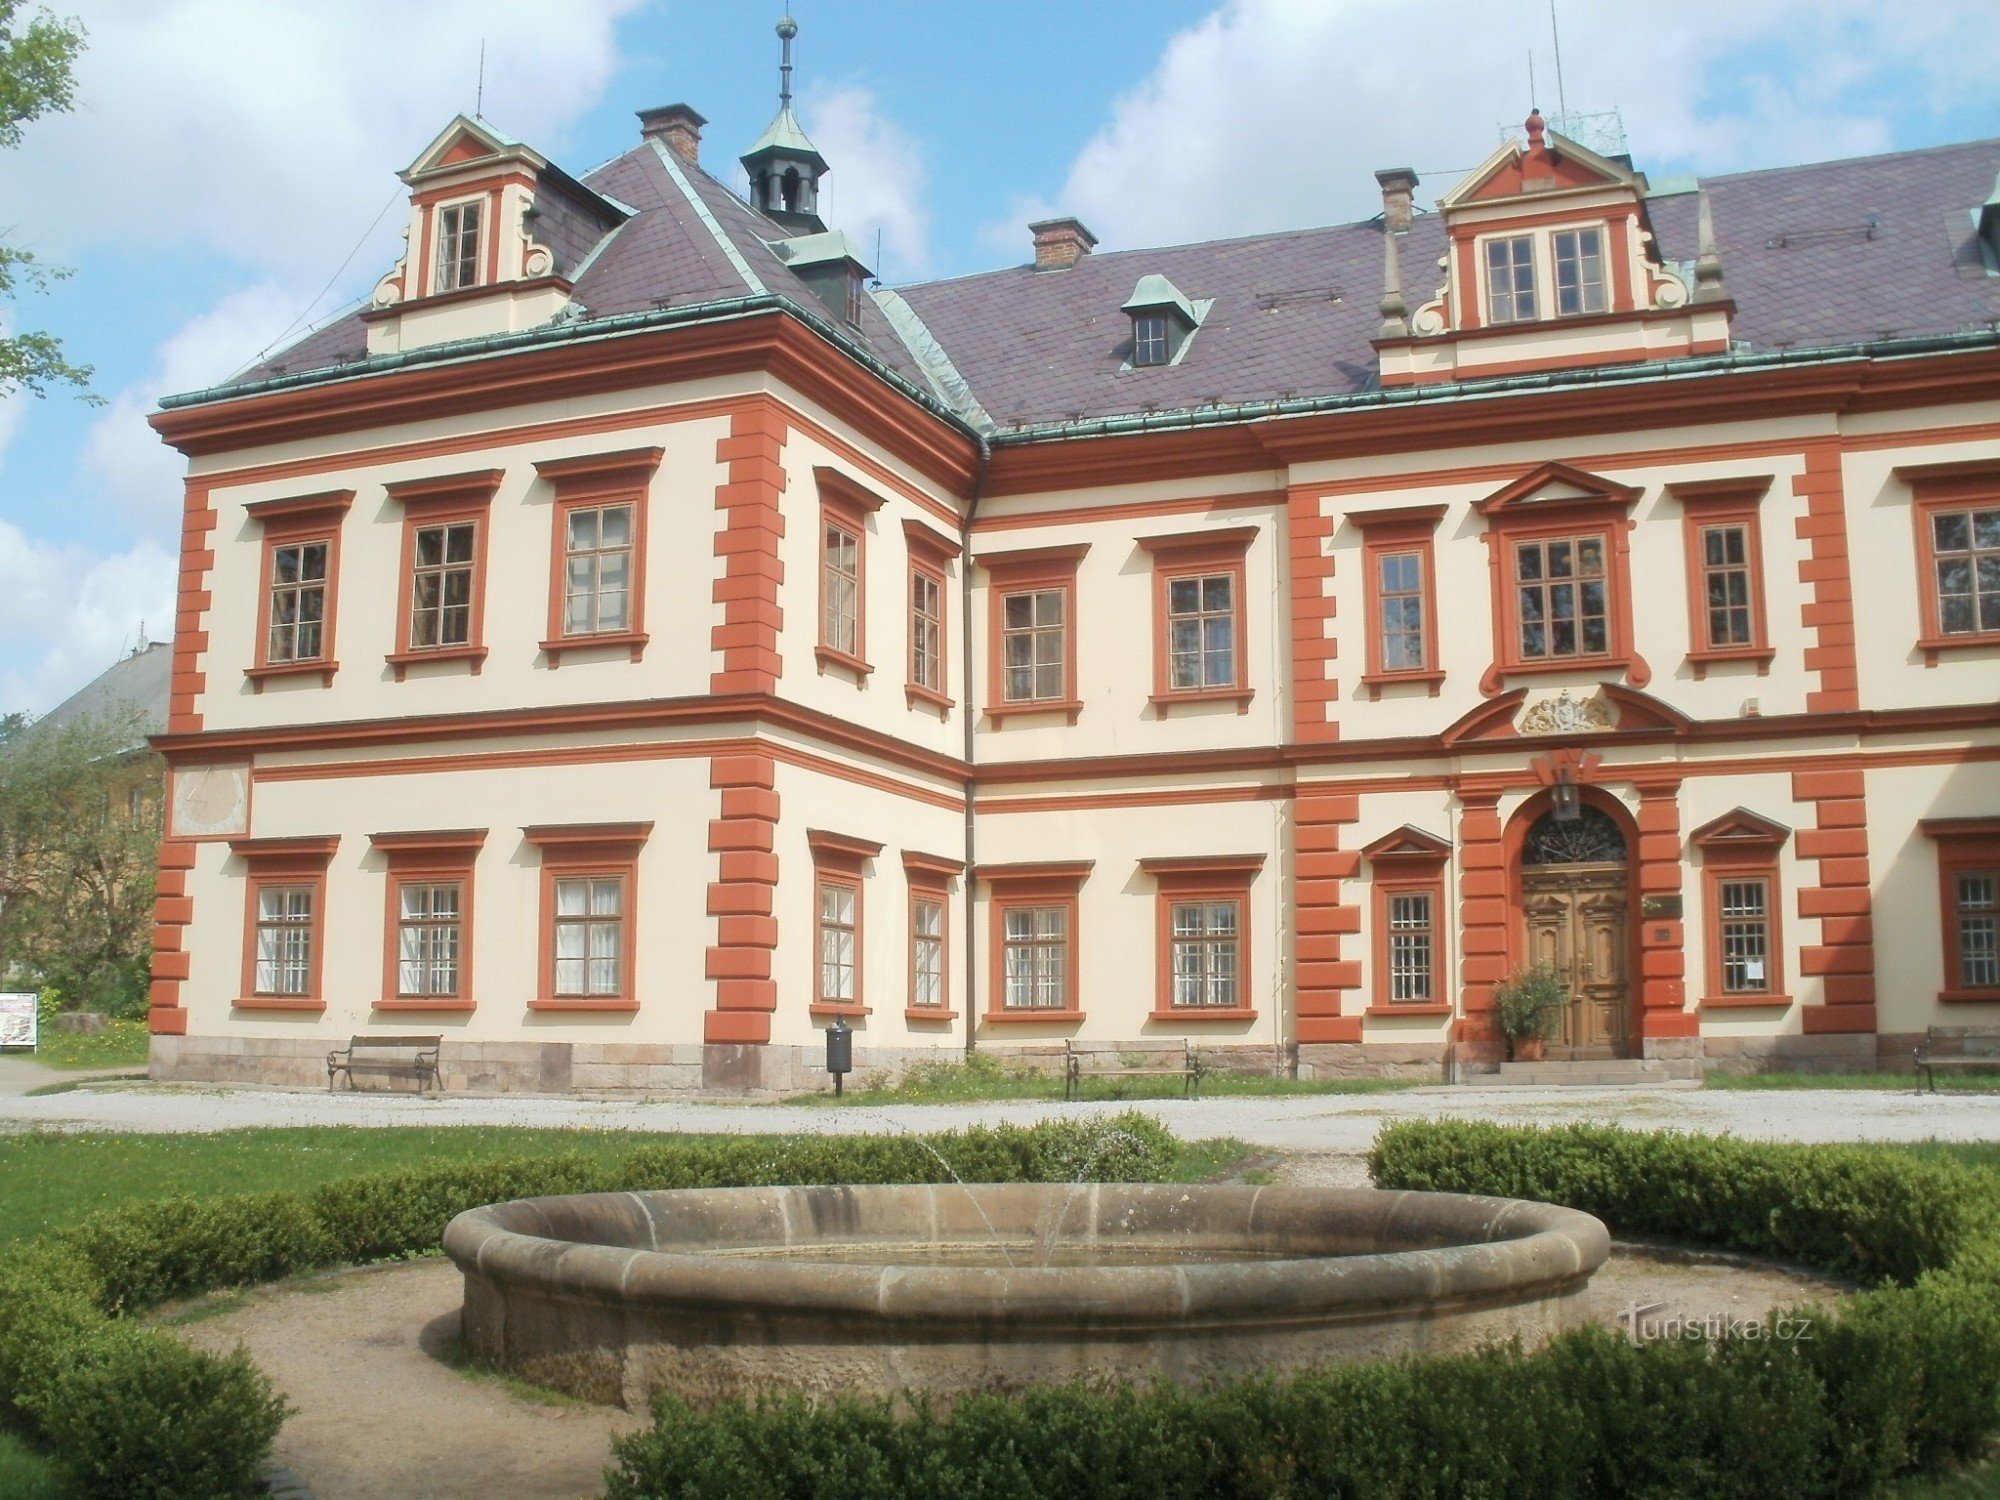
<point>878,179</point>
<point>1273,113</point>
<point>66,614</point>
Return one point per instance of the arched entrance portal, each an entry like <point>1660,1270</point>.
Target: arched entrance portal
<point>1575,902</point>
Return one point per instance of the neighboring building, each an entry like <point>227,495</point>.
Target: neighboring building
<point>636,639</point>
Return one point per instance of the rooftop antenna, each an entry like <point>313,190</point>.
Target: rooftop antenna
<point>479,97</point>
<point>1533,95</point>
<point>787,29</point>
<point>1555,33</point>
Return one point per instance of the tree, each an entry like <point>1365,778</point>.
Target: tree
<point>79,842</point>
<point>35,79</point>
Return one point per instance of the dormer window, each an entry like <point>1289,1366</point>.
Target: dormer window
<point>1569,260</point>
<point>1152,344</point>
<point>1579,256</point>
<point>1163,320</point>
<point>1510,279</point>
<point>458,247</point>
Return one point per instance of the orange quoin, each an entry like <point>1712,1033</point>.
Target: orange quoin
<point>638,639</point>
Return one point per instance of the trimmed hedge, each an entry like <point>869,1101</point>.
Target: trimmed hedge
<point>134,1412</point>
<point>1903,1381</point>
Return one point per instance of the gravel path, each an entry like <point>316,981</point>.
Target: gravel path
<point>1325,1122</point>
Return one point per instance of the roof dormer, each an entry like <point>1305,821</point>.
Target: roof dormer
<point>496,233</point>
<point>1550,263</point>
<point>1163,320</point>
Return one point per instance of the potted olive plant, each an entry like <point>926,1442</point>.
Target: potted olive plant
<point>1530,1005</point>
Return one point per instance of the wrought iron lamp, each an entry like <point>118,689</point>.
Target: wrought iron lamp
<point>1566,795</point>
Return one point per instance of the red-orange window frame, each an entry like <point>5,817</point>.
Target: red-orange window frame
<point>1406,862</point>
<point>584,851</point>
<point>1965,846</point>
<point>1723,502</point>
<point>1740,845</point>
<point>292,522</point>
<point>1208,880</point>
<point>845,504</point>
<point>1031,570</point>
<point>1514,515</point>
<point>1042,883</point>
<point>1393,533</point>
<point>930,877</point>
<point>446,500</point>
<point>838,860</point>
<point>289,862</point>
<point>1971,485</point>
<point>931,554</point>
<point>592,482</point>
<point>430,857</point>
<point>1200,554</point>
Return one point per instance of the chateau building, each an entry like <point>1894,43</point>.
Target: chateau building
<point>637,639</point>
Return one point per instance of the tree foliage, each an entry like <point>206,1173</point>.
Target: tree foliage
<point>36,78</point>
<point>79,840</point>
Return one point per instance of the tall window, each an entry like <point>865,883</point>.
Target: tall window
<point>429,938</point>
<point>597,570</point>
<point>1034,646</point>
<point>1579,261</point>
<point>839,942</point>
<point>284,939</point>
<point>1978,903</point>
<point>1150,343</point>
<point>458,247</point>
<point>1412,946</point>
<point>1740,899</point>
<point>1199,582</point>
<point>1201,624</point>
<point>1510,279</point>
<point>298,602</point>
<point>1725,586</point>
<point>926,630</point>
<point>926,953</point>
<point>1743,908</point>
<point>1397,560</point>
<point>589,934</point>
<point>1401,583</point>
<point>1965,552</point>
<point>441,585</point>
<point>1206,950</point>
<point>1719,520</point>
<point>1037,957</point>
<point>1561,598</point>
<point>840,589</point>
<point>1407,868</point>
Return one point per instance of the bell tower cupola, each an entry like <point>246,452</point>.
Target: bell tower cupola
<point>784,166</point>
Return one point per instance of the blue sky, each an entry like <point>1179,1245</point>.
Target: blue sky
<point>227,159</point>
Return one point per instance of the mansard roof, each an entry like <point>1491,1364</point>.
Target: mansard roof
<point>1816,257</point>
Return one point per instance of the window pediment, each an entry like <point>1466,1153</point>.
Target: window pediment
<point>1740,828</point>
<point>1555,487</point>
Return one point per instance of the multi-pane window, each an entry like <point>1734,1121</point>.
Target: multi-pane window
<point>1033,646</point>
<point>1562,598</point>
<point>430,935</point>
<point>1978,900</point>
<point>1401,594</point>
<point>927,953</point>
<point>1965,549</point>
<point>1150,343</point>
<point>1207,947</point>
<point>1510,279</point>
<point>1201,629</point>
<point>926,630</point>
<point>1725,585</point>
<point>1412,946</point>
<point>1744,911</point>
<point>1579,261</point>
<point>441,585</point>
<point>1036,960</point>
<point>597,570</point>
<point>840,589</point>
<point>838,930</point>
<point>589,935</point>
<point>458,247</point>
<point>298,602</point>
<point>285,939</point>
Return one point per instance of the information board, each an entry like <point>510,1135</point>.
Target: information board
<point>19,1014</point>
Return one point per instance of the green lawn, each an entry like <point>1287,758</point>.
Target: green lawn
<point>981,1077</point>
<point>122,1044</point>
<point>1982,1483</point>
<point>1954,1083</point>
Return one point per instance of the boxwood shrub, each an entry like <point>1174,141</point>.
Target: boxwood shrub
<point>132,1411</point>
<point>1901,1378</point>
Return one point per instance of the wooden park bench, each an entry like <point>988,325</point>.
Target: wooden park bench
<point>416,1056</point>
<point>1958,1047</point>
<point>1176,1059</point>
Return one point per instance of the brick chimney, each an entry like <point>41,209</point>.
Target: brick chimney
<point>675,126</point>
<point>1060,243</point>
<point>1398,184</point>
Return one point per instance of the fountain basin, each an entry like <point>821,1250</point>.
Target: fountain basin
<point>715,1293</point>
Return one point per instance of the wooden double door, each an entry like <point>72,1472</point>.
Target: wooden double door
<point>1579,924</point>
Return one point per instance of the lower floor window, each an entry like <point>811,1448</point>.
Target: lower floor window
<point>838,929</point>
<point>590,935</point>
<point>1207,946</point>
<point>1745,910</point>
<point>1978,916</point>
<point>1412,945</point>
<point>284,939</point>
<point>429,936</point>
<point>927,954</point>
<point>1037,957</point>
